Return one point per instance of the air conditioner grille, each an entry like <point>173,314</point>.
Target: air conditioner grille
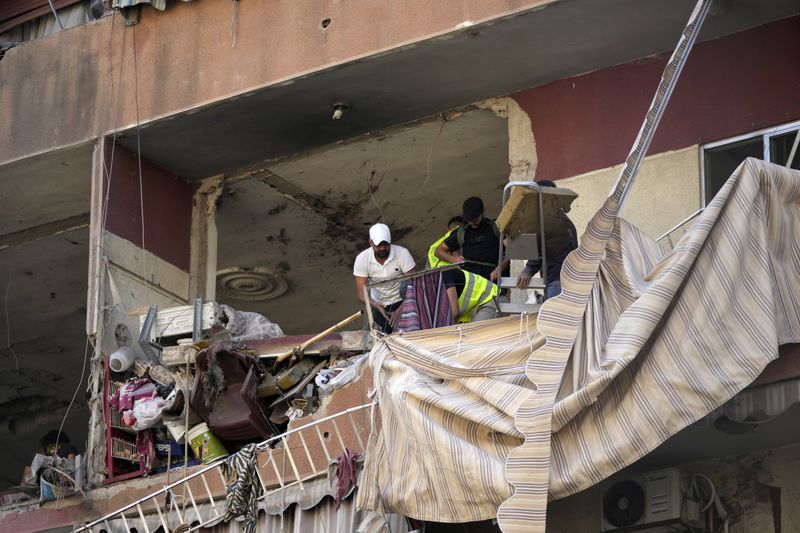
<point>623,504</point>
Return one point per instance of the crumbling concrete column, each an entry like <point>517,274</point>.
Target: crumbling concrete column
<point>203,254</point>
<point>521,157</point>
<point>521,143</point>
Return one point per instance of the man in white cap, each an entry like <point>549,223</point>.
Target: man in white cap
<point>380,262</point>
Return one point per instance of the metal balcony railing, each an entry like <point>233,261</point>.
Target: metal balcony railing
<point>206,508</point>
<point>672,234</point>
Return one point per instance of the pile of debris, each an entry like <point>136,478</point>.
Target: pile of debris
<point>175,401</point>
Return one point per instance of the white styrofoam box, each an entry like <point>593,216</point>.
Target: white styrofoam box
<point>177,321</point>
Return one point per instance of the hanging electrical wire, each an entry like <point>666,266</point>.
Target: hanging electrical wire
<point>139,153</point>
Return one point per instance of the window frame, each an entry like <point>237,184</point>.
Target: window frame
<point>765,134</point>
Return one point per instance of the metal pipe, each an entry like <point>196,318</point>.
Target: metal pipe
<point>197,320</point>
<point>58,20</point>
<point>419,273</point>
<point>793,151</point>
<point>660,101</point>
<point>543,255</point>
<point>681,223</point>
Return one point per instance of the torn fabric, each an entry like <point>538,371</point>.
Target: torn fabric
<point>447,400</point>
<point>666,337</point>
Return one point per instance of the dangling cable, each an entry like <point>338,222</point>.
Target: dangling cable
<point>139,153</point>
<point>8,322</point>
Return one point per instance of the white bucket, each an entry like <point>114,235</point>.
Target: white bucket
<point>122,359</point>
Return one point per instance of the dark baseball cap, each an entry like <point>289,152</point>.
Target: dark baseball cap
<point>473,208</point>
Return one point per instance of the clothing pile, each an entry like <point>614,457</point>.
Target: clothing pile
<point>140,402</point>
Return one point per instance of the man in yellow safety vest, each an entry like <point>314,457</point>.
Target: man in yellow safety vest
<point>433,261</point>
<point>471,296</point>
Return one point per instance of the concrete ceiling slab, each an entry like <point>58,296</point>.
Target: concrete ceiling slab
<point>562,39</point>
<point>703,442</point>
<point>45,188</point>
<point>414,179</point>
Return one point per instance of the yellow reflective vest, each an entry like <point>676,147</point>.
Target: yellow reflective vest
<point>477,291</point>
<point>433,261</point>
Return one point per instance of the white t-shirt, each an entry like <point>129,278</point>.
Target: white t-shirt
<point>398,263</point>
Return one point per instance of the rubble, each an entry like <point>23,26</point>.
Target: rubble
<point>242,381</point>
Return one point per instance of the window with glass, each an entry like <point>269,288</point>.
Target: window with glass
<point>721,158</point>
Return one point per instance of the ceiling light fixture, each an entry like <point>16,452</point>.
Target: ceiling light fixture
<point>338,110</point>
<point>251,284</point>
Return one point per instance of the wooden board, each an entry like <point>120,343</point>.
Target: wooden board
<point>520,214</point>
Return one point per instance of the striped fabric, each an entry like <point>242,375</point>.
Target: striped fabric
<point>669,337</point>
<point>425,305</point>
<point>447,401</point>
<point>562,321</point>
<point>661,338</point>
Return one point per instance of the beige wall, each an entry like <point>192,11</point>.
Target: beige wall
<point>667,190</point>
<point>747,485</point>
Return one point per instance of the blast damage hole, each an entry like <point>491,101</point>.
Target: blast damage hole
<point>324,24</point>
<point>326,435</point>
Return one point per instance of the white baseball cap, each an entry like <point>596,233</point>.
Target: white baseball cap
<point>380,233</point>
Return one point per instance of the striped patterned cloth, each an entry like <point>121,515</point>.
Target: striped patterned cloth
<point>425,305</point>
<point>447,402</point>
<point>641,344</point>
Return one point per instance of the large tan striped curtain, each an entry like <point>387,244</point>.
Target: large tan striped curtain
<point>642,342</point>
<point>667,337</point>
<point>560,319</point>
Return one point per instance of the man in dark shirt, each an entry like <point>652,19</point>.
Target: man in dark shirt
<point>476,243</point>
<point>559,242</point>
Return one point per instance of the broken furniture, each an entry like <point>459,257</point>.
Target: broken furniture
<point>529,213</point>
<point>225,393</point>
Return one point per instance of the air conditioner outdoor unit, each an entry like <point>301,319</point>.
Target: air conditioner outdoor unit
<point>654,502</point>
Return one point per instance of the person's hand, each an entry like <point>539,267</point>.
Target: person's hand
<point>381,309</point>
<point>494,275</point>
<point>458,259</point>
<point>524,280</point>
<point>396,316</point>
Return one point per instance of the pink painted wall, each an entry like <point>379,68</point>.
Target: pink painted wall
<point>167,201</point>
<point>731,85</point>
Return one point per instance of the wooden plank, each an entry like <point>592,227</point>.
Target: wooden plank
<point>520,214</point>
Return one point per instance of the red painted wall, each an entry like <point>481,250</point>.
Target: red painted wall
<point>167,201</point>
<point>729,86</point>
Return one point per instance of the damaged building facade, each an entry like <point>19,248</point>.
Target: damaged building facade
<point>237,152</point>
